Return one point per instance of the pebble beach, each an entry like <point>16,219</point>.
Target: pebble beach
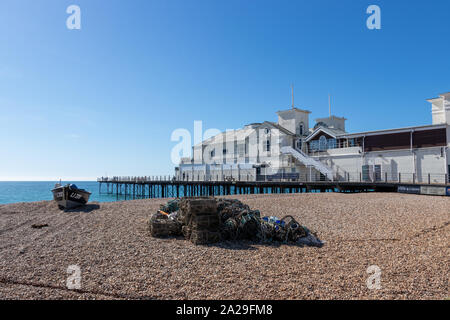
<point>406,236</point>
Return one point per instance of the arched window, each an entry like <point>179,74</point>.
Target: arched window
<point>322,143</point>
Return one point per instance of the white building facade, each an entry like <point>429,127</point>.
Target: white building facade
<point>290,149</point>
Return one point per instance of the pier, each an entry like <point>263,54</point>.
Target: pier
<point>131,188</point>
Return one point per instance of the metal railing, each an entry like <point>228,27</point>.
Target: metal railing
<point>358,176</point>
<point>397,177</point>
<point>136,179</point>
<point>308,161</point>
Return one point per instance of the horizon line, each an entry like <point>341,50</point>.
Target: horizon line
<point>50,180</point>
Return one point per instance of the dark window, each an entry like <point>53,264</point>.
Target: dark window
<point>267,145</point>
<point>366,173</point>
<point>351,142</point>
<point>300,129</point>
<point>377,172</point>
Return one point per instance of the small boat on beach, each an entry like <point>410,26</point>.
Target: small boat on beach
<point>70,196</point>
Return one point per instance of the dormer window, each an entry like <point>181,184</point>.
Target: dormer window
<point>267,131</point>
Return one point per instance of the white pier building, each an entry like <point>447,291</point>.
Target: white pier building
<point>292,149</point>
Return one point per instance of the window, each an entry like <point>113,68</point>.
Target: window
<point>224,151</point>
<point>351,142</point>
<point>331,143</point>
<point>300,129</point>
<point>314,145</point>
<point>366,173</point>
<point>241,150</point>
<point>377,172</point>
<point>322,143</point>
<point>371,172</point>
<point>267,131</point>
<point>212,154</point>
<point>267,146</point>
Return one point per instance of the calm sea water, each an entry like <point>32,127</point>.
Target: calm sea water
<point>11,192</point>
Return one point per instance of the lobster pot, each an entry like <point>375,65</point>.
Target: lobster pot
<point>198,206</point>
<point>201,220</point>
<point>204,237</point>
<point>161,226</point>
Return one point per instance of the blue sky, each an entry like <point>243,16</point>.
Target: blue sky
<point>77,104</point>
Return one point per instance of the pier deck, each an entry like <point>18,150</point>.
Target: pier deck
<point>143,187</point>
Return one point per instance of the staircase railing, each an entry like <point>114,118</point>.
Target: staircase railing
<point>308,161</point>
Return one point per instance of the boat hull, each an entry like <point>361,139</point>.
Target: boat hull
<point>68,198</point>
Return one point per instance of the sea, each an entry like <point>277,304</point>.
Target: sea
<point>12,192</point>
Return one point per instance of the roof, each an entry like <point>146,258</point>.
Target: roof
<point>282,129</point>
<point>296,109</point>
<point>442,95</point>
<point>398,130</point>
<point>273,124</point>
<point>330,131</point>
<point>331,117</point>
<point>336,133</point>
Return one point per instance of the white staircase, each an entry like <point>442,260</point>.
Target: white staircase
<point>308,161</point>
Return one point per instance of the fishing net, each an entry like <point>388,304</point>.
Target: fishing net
<point>209,220</point>
<point>171,206</point>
